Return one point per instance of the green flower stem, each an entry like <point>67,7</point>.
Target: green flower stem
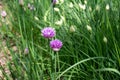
<point>58,64</point>
<point>55,65</point>
<point>52,65</point>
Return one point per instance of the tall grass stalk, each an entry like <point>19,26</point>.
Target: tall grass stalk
<point>91,48</point>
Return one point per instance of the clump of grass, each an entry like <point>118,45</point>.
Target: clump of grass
<point>89,31</point>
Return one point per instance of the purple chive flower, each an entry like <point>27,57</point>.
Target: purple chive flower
<point>54,1</point>
<point>56,44</point>
<point>31,7</point>
<point>3,14</point>
<point>48,32</point>
<point>26,51</point>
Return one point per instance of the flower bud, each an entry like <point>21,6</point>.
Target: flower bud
<point>54,1</point>
<point>36,18</point>
<point>85,1</point>
<point>89,28</point>
<point>71,5</point>
<point>107,7</point>
<point>21,2</point>
<point>26,51</point>
<point>104,39</point>
<point>72,28</point>
<point>3,14</point>
<point>56,9</point>
<point>97,8</point>
<point>60,22</point>
<point>82,6</point>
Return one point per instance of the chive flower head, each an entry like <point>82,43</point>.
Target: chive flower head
<point>56,45</point>
<point>48,32</point>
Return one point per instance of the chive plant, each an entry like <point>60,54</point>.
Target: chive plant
<point>82,42</point>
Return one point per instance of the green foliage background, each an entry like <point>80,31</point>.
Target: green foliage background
<point>103,58</point>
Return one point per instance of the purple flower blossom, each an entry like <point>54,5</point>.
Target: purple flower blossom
<point>48,32</point>
<point>26,51</point>
<point>3,14</point>
<point>31,7</point>
<point>54,1</point>
<point>56,44</point>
